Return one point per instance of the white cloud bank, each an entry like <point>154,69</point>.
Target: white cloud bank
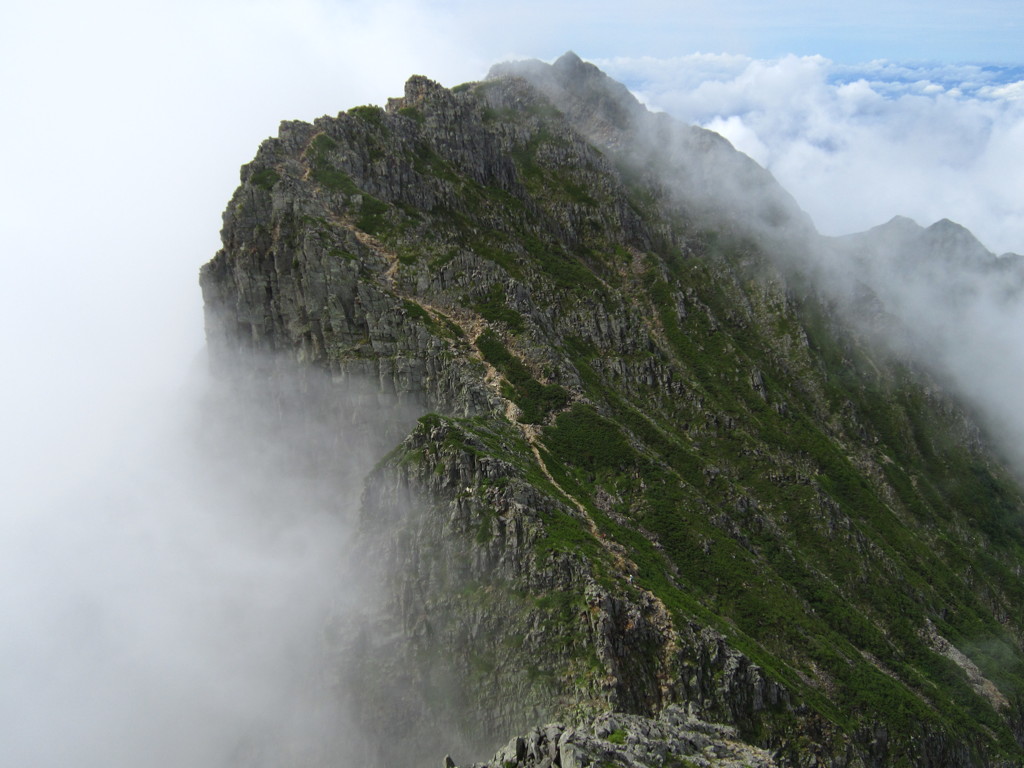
<point>859,145</point>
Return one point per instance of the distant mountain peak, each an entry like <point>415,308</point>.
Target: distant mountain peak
<point>947,225</point>
<point>904,223</point>
<point>570,59</point>
<point>944,242</point>
<point>897,229</point>
<point>950,240</point>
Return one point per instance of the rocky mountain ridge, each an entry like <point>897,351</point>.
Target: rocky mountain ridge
<point>658,465</point>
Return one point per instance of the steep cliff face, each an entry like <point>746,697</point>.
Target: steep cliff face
<point>654,467</point>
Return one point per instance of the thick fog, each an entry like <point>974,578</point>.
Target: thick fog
<point>165,572</point>
<point>168,608</point>
<point>950,306</point>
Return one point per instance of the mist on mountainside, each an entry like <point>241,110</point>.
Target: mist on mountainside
<point>936,296</point>
<point>172,608</point>
<point>856,144</point>
<point>176,597</point>
<point>942,298</point>
<point>948,304</point>
<point>635,369</point>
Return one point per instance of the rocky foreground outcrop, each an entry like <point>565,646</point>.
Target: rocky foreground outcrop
<point>676,738</point>
<point>643,467</point>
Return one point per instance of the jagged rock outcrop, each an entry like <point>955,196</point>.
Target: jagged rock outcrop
<point>656,468</point>
<point>675,738</point>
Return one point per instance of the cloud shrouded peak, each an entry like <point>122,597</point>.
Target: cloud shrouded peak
<point>705,174</point>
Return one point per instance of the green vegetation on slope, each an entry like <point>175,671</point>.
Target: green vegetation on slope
<point>763,470</point>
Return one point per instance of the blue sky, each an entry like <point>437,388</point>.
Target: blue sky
<point>125,123</point>
<point>988,31</point>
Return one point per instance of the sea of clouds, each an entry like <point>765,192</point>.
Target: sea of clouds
<point>857,145</point>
